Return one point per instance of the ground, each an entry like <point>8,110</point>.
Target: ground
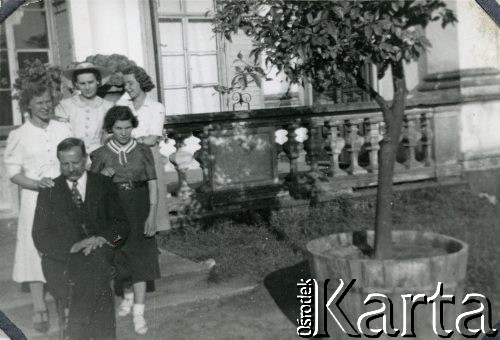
<point>249,316</point>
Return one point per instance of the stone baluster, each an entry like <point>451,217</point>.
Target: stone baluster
<point>181,160</point>
<point>335,143</point>
<point>280,138</point>
<point>313,144</point>
<point>354,142</point>
<point>202,156</point>
<point>427,136</point>
<point>410,139</point>
<point>372,138</point>
<point>291,147</point>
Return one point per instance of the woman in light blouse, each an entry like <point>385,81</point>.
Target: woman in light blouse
<point>151,117</point>
<point>85,111</point>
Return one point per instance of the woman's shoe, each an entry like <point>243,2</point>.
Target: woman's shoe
<point>126,304</point>
<point>43,325</point>
<point>125,307</point>
<point>140,326</point>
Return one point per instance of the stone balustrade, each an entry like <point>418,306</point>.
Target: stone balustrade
<point>263,158</point>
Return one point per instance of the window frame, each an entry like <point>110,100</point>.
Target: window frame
<point>185,18</point>
<point>13,51</point>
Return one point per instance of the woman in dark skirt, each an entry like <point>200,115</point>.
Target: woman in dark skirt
<point>131,165</point>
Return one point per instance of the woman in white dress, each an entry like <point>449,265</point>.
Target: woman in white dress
<point>31,161</point>
<point>85,111</point>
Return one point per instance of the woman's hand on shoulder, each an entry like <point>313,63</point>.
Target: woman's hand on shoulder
<point>150,140</point>
<point>109,171</point>
<point>45,182</point>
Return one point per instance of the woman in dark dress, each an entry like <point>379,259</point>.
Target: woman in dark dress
<point>131,165</point>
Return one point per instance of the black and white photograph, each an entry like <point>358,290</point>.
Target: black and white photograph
<point>249,169</point>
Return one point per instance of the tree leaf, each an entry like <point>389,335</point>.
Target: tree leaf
<point>257,79</point>
<point>310,18</point>
<point>338,11</point>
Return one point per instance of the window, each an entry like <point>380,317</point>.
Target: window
<point>24,36</point>
<point>189,56</point>
<point>349,93</point>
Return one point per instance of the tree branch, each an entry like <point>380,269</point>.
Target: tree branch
<point>362,84</point>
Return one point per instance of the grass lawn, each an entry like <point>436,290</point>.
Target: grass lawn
<point>256,249</point>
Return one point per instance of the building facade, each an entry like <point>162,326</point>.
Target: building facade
<point>174,42</point>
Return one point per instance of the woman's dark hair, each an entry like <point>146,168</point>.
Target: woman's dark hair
<point>96,73</point>
<point>119,113</point>
<point>141,76</point>
<point>30,91</point>
<point>69,143</point>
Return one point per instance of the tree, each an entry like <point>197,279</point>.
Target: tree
<point>327,43</point>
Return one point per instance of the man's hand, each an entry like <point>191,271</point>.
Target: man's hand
<point>45,182</point>
<point>81,245</point>
<point>88,245</point>
<point>109,171</point>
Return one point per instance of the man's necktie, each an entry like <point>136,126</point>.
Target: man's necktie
<point>75,195</point>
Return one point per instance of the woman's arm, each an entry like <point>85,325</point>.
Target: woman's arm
<point>154,123</point>
<point>32,184</point>
<point>150,226</point>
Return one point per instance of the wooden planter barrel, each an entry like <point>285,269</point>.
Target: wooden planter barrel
<point>391,277</point>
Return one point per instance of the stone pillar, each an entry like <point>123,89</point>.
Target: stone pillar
<point>463,78</point>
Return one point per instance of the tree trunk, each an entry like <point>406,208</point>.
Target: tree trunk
<point>393,119</point>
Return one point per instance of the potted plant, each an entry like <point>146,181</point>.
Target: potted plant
<point>326,43</point>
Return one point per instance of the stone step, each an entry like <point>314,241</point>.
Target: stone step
<point>200,294</point>
<point>178,275</point>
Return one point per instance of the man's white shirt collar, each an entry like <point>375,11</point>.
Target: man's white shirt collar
<point>82,185</point>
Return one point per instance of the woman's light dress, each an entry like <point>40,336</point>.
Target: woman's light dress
<point>31,151</point>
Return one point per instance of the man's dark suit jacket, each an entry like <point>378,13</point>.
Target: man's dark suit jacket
<point>56,228</point>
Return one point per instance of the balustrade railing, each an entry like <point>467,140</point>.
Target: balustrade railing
<point>258,158</point>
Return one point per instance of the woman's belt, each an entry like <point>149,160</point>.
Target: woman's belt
<point>130,185</point>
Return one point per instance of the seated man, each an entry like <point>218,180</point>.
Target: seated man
<point>77,224</point>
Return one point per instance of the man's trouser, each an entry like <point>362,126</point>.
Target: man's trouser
<point>82,284</point>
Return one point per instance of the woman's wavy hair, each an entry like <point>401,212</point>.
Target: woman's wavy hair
<point>29,91</point>
<point>119,113</point>
<point>141,76</point>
